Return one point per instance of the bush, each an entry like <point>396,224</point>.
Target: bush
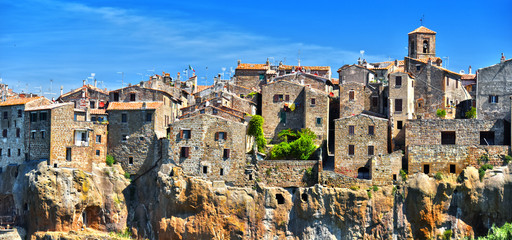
<point>375,188</point>
<point>369,194</point>
<point>438,176</point>
<point>447,234</point>
<point>300,148</point>
<point>482,169</point>
<point>506,159</point>
<point>441,113</point>
<point>127,175</point>
<point>354,187</point>
<point>484,158</point>
<point>256,130</point>
<point>403,174</point>
<point>110,160</point>
<point>471,113</point>
<point>502,233</point>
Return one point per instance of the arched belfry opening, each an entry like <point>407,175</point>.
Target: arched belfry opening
<point>426,46</point>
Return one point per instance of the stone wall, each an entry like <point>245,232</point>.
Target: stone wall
<point>305,79</point>
<point>386,168</point>
<point>361,139</point>
<point>227,113</point>
<point>287,173</point>
<point>440,157</point>
<point>316,116</point>
<point>405,92</point>
<point>495,80</point>
<point>250,78</point>
<point>359,103</point>
<point>467,131</point>
<point>86,96</point>
<point>337,180</point>
<point>355,73</point>
<point>206,157</point>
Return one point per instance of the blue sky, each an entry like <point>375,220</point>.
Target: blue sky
<point>68,40</point>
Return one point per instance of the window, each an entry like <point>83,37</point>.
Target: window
<point>124,117</point>
<point>363,173</point>
<point>81,138</point>
<point>487,138</point>
<point>43,116</point>
<point>371,150</point>
<point>425,46</point>
<point>318,121</point>
<point>221,135</point>
<point>185,151</point>
<point>4,133</point>
<point>313,101</point>
<point>448,138</point>
<point>351,95</point>
<point>116,97</point>
<point>287,98</point>
<point>351,150</point>
<point>214,111</point>
<point>68,154</point>
<point>97,152</point>
<point>185,134</point>
<point>33,117</point>
<point>148,117</point>
<point>452,168</point>
<point>398,105</point>
<point>375,101</point>
<point>226,154</point>
<point>202,111</point>
<point>493,99</point>
<point>130,160</point>
<point>98,138</point>
<point>124,138</point>
<point>93,119</point>
<point>283,117</point>
<point>447,81</point>
<point>418,67</point>
<point>398,81</point>
<point>262,76</point>
<point>20,114</point>
<point>278,98</point>
<point>371,130</point>
<point>280,198</point>
<point>92,104</point>
<point>6,114</point>
<point>205,169</point>
<point>18,132</point>
<point>426,169</point>
<point>33,133</point>
<point>43,134</point>
<point>222,171</point>
<point>19,152</point>
<point>351,130</point>
<point>132,97</point>
<point>8,152</point>
<point>399,124</point>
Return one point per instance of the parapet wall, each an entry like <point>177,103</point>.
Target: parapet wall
<point>287,173</point>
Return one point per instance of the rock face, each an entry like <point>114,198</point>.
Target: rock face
<point>166,204</point>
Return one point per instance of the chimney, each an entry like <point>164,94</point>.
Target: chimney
<point>396,63</point>
<point>502,58</point>
<point>61,90</point>
<point>359,61</point>
<point>144,105</point>
<point>267,63</point>
<point>470,70</point>
<point>83,81</point>
<point>95,82</point>
<point>239,62</point>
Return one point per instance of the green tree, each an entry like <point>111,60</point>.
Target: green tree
<point>471,113</point>
<point>441,113</point>
<point>295,144</point>
<point>256,130</point>
<point>110,160</point>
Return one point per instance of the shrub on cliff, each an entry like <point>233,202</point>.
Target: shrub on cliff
<point>301,147</point>
<point>110,160</point>
<point>482,169</point>
<point>256,130</point>
<point>499,233</point>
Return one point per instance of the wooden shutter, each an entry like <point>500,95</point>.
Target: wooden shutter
<point>216,136</point>
<point>276,98</point>
<point>187,151</point>
<point>226,153</point>
<point>496,99</point>
<point>225,135</point>
<point>181,134</point>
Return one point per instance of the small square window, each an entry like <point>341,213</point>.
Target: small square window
<point>33,135</point>
<point>149,117</point>
<point>132,97</point>
<point>452,168</point>
<point>97,152</point>
<point>130,160</point>
<point>124,138</point>
<point>68,154</point>
<point>6,114</point>
<point>19,152</point>
<point>318,121</point>
<point>351,130</point>
<point>398,105</point>
<point>43,134</point>
<point>185,151</point>
<point>20,113</point>
<point>351,95</point>
<point>493,99</point>
<point>226,154</point>
<point>371,130</point>
<point>98,138</point>
<point>371,150</point>
<point>399,124</point>
<point>8,152</point>
<point>185,134</point>
<point>205,169</point>
<point>351,150</point>
<point>222,171</point>
<point>398,81</point>
<point>313,101</point>
<point>4,133</point>
<point>426,169</point>
<point>124,117</point>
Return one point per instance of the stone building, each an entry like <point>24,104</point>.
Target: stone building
<point>422,43</point>
<point>138,93</point>
<point>87,96</point>
<point>253,76</point>
<point>450,145</point>
<point>62,136</point>
<point>356,73</point>
<point>401,105</point>
<point>210,147</point>
<point>12,124</point>
<point>320,71</point>
<point>224,100</point>
<point>357,139</point>
<point>308,79</point>
<point>493,91</point>
<point>287,105</point>
<point>134,132</point>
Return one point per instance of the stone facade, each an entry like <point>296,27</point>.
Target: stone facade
<point>357,139</point>
<point>313,81</point>
<point>401,106</point>
<point>288,173</point>
<point>354,98</point>
<point>227,113</point>
<point>134,132</point>
<point>493,91</point>
<point>209,147</point>
<point>466,131</point>
<point>12,125</point>
<point>356,73</point>
<point>61,139</point>
<point>86,97</point>
<point>321,71</point>
<point>252,76</point>
<point>287,105</point>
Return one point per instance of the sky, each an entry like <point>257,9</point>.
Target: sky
<point>46,44</point>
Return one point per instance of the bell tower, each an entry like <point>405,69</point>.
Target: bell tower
<point>422,43</point>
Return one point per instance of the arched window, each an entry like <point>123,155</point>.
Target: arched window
<point>413,47</point>
<point>363,173</point>
<point>425,46</point>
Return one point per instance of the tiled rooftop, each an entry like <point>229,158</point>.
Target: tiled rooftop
<point>17,101</point>
<point>422,30</point>
<point>133,105</point>
<point>253,66</point>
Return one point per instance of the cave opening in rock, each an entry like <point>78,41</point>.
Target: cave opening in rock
<point>304,197</point>
<point>280,198</point>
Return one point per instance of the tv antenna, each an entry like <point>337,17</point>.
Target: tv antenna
<point>223,71</point>
<point>51,89</point>
<point>122,78</point>
<point>298,59</point>
<point>447,61</point>
<point>422,19</point>
<point>362,54</point>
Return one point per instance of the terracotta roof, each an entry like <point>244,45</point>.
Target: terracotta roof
<point>448,71</point>
<point>49,106</point>
<point>253,66</point>
<point>468,76</point>
<point>335,81</point>
<point>313,68</point>
<point>422,30</point>
<point>203,87</point>
<point>82,87</point>
<point>18,101</point>
<point>98,111</point>
<point>425,60</point>
<point>133,105</point>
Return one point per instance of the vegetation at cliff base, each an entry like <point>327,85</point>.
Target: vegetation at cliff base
<point>256,130</point>
<point>295,144</point>
<point>499,233</point>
